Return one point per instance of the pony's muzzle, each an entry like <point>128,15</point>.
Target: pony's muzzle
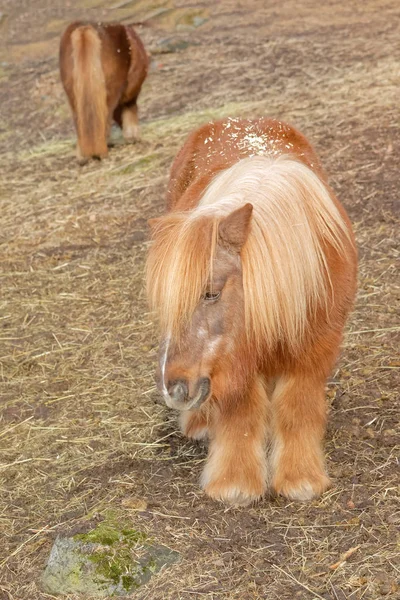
<point>178,394</point>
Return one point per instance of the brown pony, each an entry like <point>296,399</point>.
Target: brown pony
<point>252,273</point>
<point>102,70</point>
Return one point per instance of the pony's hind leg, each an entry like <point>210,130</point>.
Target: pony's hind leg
<point>194,424</point>
<point>299,417</point>
<point>130,122</point>
<point>236,469</point>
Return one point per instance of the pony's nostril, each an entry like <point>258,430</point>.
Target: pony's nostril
<point>178,391</point>
<point>203,390</point>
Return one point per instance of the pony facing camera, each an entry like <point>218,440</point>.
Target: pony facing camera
<point>252,273</point>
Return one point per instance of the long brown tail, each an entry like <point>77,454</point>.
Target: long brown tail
<point>90,92</point>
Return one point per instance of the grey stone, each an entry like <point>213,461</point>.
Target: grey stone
<point>102,570</point>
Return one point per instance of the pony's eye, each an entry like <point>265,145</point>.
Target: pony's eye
<point>211,296</point>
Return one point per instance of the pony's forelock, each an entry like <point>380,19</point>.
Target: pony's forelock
<point>179,267</point>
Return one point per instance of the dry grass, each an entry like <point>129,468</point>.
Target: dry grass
<point>81,431</point>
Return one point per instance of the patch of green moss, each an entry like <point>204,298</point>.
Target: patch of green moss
<point>133,536</point>
<point>108,533</point>
<point>128,582</point>
<point>112,554</point>
<point>116,568</point>
<point>104,534</point>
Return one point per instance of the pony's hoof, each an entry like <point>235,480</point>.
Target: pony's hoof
<point>132,140</point>
<point>302,490</point>
<point>233,494</point>
<point>233,487</point>
<point>131,134</point>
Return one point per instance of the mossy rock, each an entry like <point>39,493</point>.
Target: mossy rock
<point>107,561</point>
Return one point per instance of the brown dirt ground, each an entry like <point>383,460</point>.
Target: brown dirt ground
<point>81,429</point>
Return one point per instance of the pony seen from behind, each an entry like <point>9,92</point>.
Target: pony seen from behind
<point>252,273</point>
<point>102,70</point>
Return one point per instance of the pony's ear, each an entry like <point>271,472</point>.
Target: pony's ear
<point>234,229</point>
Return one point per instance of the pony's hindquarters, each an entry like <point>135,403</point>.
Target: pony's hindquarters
<point>86,90</point>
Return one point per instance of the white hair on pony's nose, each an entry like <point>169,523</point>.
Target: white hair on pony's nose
<point>163,365</point>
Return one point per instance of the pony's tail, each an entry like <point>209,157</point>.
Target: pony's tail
<point>90,94</point>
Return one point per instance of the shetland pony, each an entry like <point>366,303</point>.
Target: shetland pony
<point>252,273</point>
<point>102,69</point>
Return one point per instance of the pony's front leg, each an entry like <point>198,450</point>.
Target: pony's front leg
<point>236,469</point>
<point>299,417</point>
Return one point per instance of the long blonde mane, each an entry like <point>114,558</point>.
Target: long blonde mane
<point>285,273</point>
